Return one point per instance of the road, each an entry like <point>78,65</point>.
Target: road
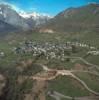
<point>83,60</point>
<point>66,73</point>
<point>57,95</point>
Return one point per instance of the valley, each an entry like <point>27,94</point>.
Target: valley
<point>46,57</point>
<point>57,64</point>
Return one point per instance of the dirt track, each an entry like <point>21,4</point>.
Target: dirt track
<point>47,74</point>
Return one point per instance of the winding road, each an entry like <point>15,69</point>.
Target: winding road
<point>66,73</point>
<point>57,95</point>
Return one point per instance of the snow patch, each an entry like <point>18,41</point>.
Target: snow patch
<point>34,15</point>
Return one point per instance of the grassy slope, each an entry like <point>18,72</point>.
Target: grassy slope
<point>91,80</point>
<point>66,86</point>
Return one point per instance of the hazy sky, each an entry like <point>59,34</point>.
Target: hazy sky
<point>50,7</point>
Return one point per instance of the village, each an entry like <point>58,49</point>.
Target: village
<point>52,50</point>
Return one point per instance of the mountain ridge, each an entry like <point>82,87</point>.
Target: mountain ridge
<point>71,20</point>
<point>13,18</point>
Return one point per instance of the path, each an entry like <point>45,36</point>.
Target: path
<point>57,95</point>
<point>83,60</point>
<point>66,73</point>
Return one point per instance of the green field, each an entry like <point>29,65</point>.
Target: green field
<point>91,80</point>
<point>66,86</point>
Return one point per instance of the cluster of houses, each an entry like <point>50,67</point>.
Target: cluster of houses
<point>49,50</point>
<point>95,53</point>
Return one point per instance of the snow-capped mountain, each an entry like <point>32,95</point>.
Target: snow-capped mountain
<point>36,18</point>
<point>34,15</point>
<point>21,20</point>
<point>10,16</point>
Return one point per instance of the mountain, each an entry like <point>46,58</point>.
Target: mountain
<point>21,21</point>
<point>10,16</point>
<point>81,19</point>
<point>35,19</point>
<point>6,28</point>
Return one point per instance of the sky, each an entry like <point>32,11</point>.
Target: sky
<point>51,7</point>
